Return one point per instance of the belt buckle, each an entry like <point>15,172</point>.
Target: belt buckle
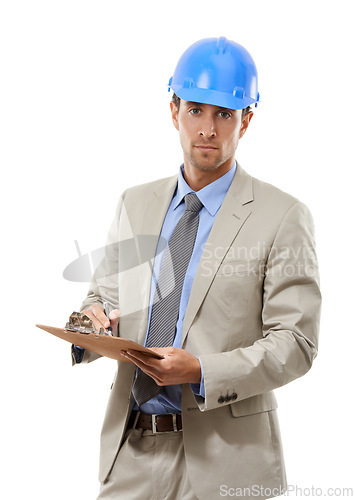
<point>154,422</point>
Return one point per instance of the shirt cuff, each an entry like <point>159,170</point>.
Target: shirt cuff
<point>78,353</point>
<point>199,389</point>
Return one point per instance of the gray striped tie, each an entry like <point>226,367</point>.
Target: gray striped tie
<point>165,309</point>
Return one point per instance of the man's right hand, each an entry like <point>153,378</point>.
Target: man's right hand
<point>99,319</point>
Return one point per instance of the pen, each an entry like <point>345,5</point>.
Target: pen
<point>106,311</point>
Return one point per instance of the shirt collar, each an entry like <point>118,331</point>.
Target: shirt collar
<point>211,195</point>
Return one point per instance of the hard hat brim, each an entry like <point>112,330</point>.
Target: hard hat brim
<point>214,97</point>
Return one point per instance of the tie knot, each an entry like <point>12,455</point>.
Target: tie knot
<point>193,203</point>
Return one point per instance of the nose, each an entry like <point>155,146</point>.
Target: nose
<point>207,127</point>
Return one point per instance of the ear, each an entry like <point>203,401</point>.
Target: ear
<point>174,114</point>
<point>245,123</point>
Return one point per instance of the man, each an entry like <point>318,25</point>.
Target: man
<point>231,304</point>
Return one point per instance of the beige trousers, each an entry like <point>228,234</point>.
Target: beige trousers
<point>149,467</point>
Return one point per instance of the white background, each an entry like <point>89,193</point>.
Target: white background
<point>84,114</point>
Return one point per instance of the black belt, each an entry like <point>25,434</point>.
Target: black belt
<point>158,422</point>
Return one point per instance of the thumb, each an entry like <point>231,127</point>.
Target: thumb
<point>114,319</point>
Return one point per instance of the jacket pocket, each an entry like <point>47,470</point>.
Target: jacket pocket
<point>255,404</point>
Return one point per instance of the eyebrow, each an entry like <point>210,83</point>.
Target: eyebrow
<point>192,103</point>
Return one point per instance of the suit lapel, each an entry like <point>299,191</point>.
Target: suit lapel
<point>228,222</point>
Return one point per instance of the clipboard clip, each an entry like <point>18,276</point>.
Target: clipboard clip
<point>79,322</point>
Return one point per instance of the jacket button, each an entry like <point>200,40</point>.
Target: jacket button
<point>221,399</point>
<point>227,398</point>
<point>233,396</point>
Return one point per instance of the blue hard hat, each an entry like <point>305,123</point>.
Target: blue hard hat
<point>216,71</point>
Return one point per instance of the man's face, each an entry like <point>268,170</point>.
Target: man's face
<point>209,134</point>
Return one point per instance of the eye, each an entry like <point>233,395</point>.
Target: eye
<point>194,111</point>
<point>225,114</point>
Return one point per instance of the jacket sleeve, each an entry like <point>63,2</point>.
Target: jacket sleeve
<point>104,282</point>
<point>290,319</point>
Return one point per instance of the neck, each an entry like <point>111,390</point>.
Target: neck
<point>197,178</point>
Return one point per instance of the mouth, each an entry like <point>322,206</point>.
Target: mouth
<point>205,147</point>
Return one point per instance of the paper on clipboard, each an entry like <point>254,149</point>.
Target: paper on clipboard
<point>104,345</point>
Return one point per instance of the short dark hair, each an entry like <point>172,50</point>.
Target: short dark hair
<point>177,102</point>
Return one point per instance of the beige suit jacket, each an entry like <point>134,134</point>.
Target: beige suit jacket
<point>252,318</point>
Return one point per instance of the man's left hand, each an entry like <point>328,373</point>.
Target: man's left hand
<point>177,366</point>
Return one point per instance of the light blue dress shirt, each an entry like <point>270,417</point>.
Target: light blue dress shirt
<point>212,196</point>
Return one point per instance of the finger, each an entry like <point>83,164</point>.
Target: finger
<point>97,323</point>
<point>142,361</point>
<point>162,351</point>
<point>144,358</point>
<point>135,360</point>
<point>114,319</point>
<point>114,315</point>
<point>98,311</point>
<point>145,368</point>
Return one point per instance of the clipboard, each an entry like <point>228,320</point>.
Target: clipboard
<point>105,345</point>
